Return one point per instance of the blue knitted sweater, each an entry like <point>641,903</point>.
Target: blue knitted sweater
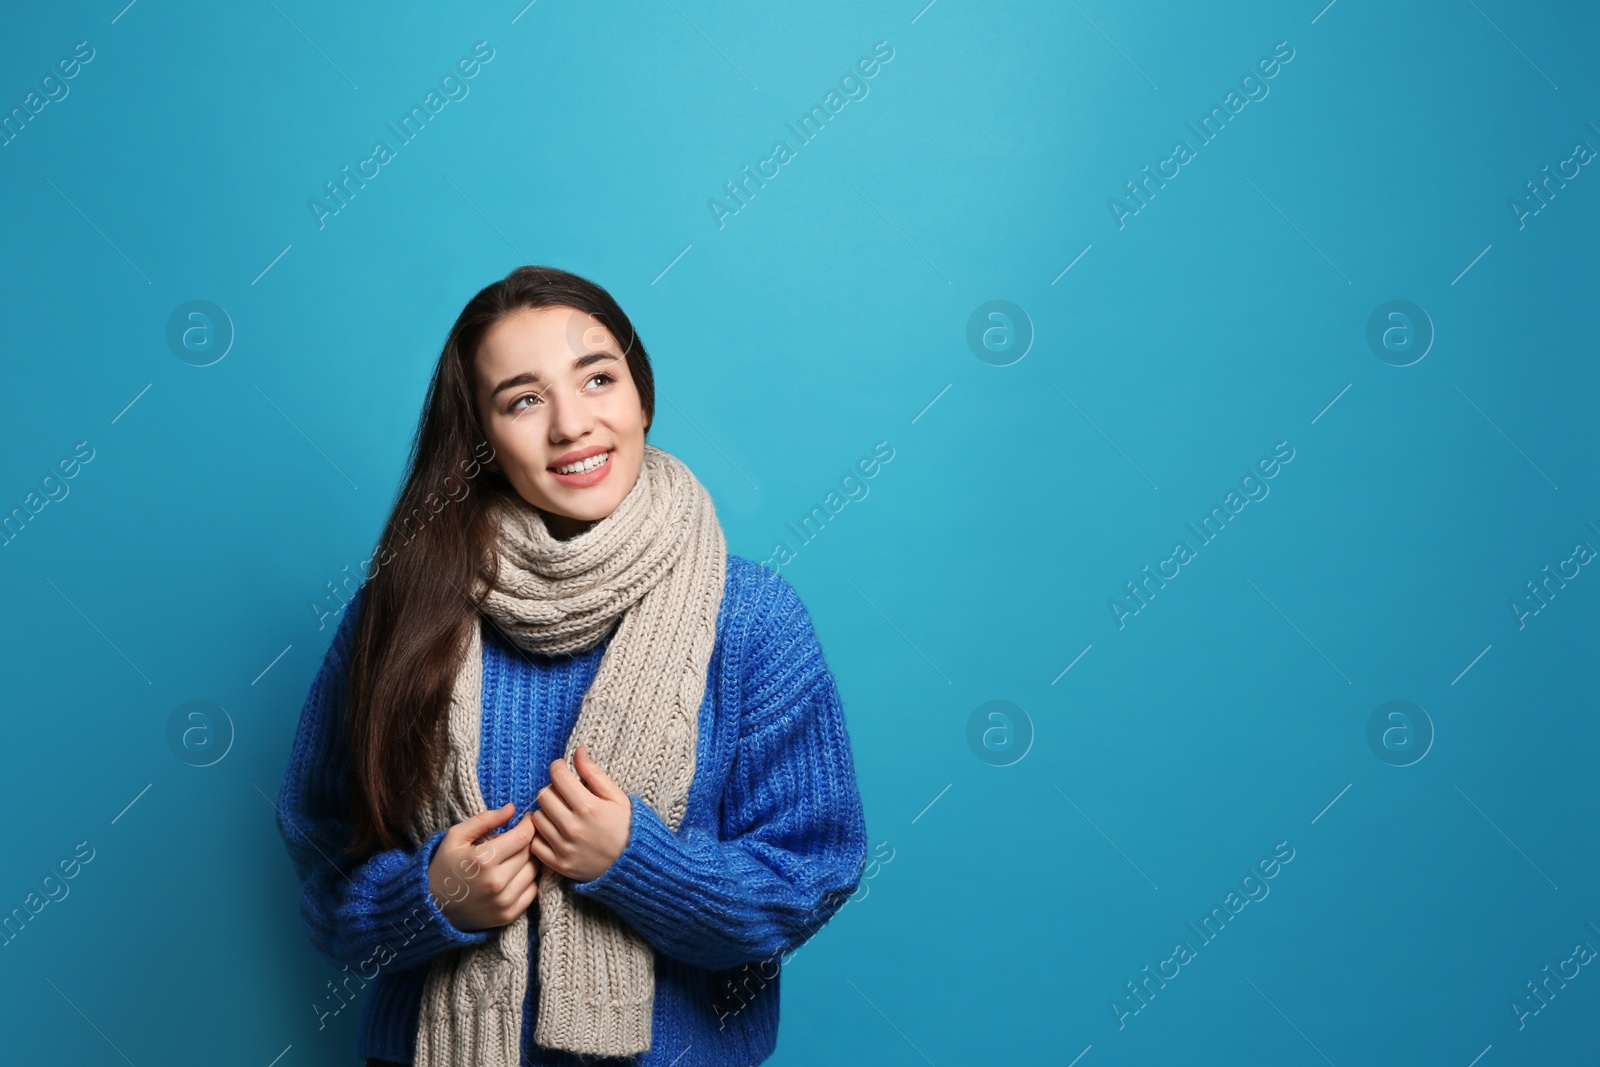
<point>772,842</point>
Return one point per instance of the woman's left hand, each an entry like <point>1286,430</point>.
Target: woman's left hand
<point>581,824</point>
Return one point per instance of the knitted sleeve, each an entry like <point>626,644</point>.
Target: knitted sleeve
<point>792,845</point>
<point>369,915</point>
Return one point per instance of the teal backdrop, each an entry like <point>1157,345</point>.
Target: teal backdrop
<point>1216,628</point>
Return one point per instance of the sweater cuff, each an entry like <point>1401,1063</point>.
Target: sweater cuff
<point>410,912</point>
<point>451,934</point>
<point>649,871</point>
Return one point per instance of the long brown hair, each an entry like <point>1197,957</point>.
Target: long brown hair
<point>416,608</point>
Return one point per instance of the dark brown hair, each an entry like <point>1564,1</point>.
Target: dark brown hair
<point>416,608</point>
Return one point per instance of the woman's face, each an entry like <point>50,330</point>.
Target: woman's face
<point>554,389</point>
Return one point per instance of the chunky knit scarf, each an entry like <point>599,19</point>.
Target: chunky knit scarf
<point>658,562</point>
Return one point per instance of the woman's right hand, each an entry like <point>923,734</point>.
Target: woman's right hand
<point>480,884</point>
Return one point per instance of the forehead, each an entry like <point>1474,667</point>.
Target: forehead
<point>544,340</point>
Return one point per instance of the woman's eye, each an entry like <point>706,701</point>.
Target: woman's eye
<point>515,405</point>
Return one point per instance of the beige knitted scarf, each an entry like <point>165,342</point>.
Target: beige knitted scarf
<point>659,562</point>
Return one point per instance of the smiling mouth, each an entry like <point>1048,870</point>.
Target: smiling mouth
<point>584,466</point>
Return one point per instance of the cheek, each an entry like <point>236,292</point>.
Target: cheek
<point>635,467</point>
<point>514,445</point>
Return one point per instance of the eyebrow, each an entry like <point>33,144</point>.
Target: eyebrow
<point>530,378</point>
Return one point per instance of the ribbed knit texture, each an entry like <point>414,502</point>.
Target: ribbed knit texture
<point>648,578</point>
<point>772,839</point>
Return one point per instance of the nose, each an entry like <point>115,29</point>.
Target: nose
<point>569,418</point>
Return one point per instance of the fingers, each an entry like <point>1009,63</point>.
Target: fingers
<point>511,843</point>
<point>475,836</point>
<point>594,776</point>
<point>560,818</point>
<point>476,826</point>
<point>568,786</point>
<point>541,850</point>
<point>517,887</point>
<point>546,833</point>
<point>502,891</point>
<point>528,895</point>
<point>519,835</point>
<point>498,874</point>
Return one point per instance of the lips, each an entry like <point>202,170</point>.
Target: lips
<point>579,454</point>
<point>584,479</point>
<point>583,466</point>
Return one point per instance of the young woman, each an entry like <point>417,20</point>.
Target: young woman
<point>551,588</point>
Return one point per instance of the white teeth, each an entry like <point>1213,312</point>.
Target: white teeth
<point>584,464</point>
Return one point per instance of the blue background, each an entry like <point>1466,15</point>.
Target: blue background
<point>1040,860</point>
